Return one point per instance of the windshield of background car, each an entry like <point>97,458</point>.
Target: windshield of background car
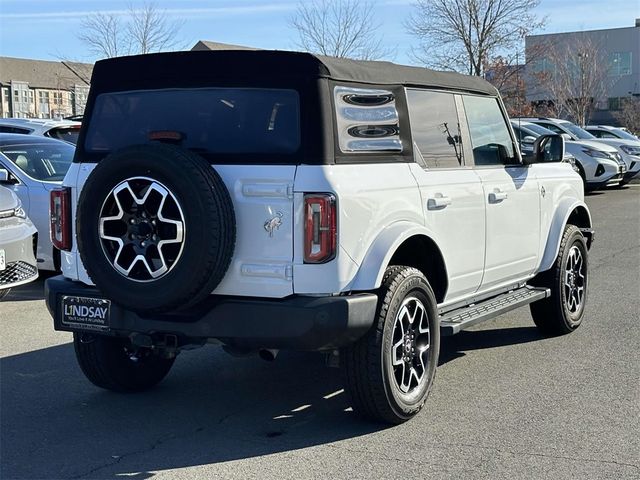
<point>207,120</point>
<point>537,130</point>
<point>44,162</point>
<point>625,135</point>
<point>578,132</point>
<point>68,134</point>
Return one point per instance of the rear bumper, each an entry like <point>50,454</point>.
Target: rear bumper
<point>298,323</point>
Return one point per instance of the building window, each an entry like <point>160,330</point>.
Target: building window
<point>16,95</point>
<point>620,63</point>
<point>57,98</point>
<point>614,103</point>
<point>6,94</point>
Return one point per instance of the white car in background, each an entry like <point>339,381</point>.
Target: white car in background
<point>608,131</point>
<point>627,144</point>
<point>594,161</point>
<point>17,241</point>
<point>66,130</point>
<point>32,167</point>
<point>573,132</point>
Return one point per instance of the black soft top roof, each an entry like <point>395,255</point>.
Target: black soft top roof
<point>268,64</point>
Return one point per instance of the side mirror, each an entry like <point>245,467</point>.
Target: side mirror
<point>4,176</point>
<point>529,139</point>
<point>566,136</point>
<point>546,148</point>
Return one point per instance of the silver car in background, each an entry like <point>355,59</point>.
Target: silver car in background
<point>611,146</point>
<point>66,130</point>
<point>18,237</point>
<point>32,167</point>
<point>595,164</point>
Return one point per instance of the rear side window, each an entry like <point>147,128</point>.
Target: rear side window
<point>8,129</point>
<point>436,128</point>
<point>208,120</point>
<point>68,134</point>
<point>490,138</point>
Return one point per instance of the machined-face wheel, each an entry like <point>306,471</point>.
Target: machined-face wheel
<point>574,280</point>
<point>141,229</point>
<point>410,347</point>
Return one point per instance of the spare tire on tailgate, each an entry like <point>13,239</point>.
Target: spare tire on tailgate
<point>155,227</point>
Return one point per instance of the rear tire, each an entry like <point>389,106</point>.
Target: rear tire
<point>563,311</point>
<point>389,372</point>
<point>113,364</point>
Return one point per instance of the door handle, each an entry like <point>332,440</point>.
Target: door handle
<point>438,202</point>
<point>497,196</point>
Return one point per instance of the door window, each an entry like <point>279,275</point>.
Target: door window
<point>435,128</point>
<point>490,138</point>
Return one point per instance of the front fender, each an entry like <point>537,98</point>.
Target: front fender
<point>566,207</point>
<point>371,271</point>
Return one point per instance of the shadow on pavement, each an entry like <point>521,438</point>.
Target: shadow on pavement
<point>456,346</point>
<point>211,408</point>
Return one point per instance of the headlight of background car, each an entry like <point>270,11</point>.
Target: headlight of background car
<point>630,150</point>
<point>596,153</point>
<point>19,211</point>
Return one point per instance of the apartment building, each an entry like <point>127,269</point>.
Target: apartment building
<point>42,89</point>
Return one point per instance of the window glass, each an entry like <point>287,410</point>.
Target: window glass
<point>490,138</point>
<point>537,130</point>
<point>436,128</point>
<point>578,132</point>
<point>42,162</point>
<point>620,63</point>
<point>210,120</point>
<point>552,127</point>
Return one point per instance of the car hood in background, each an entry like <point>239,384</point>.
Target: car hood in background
<point>617,142</point>
<point>8,199</point>
<point>594,144</point>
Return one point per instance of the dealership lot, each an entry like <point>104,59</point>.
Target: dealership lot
<point>507,403</point>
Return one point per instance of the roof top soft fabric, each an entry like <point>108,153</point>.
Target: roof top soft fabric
<point>275,64</point>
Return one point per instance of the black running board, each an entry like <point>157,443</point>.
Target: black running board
<point>461,318</point>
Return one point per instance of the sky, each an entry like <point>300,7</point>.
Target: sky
<point>47,29</point>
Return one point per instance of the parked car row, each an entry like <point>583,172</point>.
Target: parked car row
<point>610,159</point>
<point>18,240</point>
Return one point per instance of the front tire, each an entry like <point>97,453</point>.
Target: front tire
<point>563,311</point>
<point>389,372</point>
<point>113,364</point>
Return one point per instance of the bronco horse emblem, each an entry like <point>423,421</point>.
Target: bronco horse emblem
<point>273,223</point>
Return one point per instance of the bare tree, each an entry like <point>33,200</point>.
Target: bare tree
<point>629,114</point>
<point>149,29</point>
<point>575,78</point>
<point>463,35</point>
<point>141,30</point>
<point>339,28</point>
<point>103,34</point>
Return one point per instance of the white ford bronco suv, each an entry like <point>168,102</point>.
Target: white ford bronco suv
<point>278,200</point>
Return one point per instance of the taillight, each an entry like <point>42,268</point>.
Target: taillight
<point>319,227</point>
<point>60,215</point>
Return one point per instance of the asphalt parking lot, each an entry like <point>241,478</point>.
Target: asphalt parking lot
<point>507,403</point>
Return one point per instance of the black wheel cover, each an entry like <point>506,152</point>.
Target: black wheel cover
<point>155,228</point>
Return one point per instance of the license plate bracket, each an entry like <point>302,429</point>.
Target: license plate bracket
<point>86,313</point>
